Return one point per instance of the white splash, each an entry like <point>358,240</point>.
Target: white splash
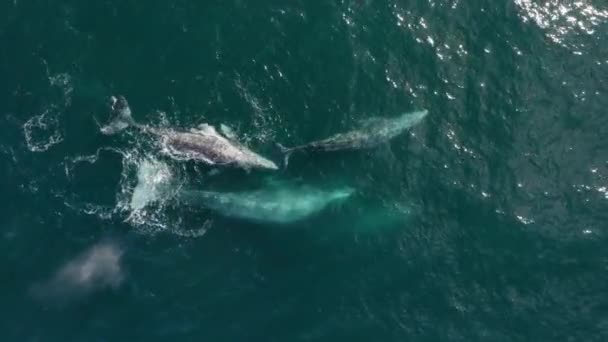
<point>147,187</point>
<point>603,190</point>
<point>153,180</point>
<point>44,130</point>
<point>524,220</point>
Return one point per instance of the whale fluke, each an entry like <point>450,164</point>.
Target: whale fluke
<point>122,116</point>
<point>286,152</point>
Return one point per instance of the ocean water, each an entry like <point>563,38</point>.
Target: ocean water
<point>488,221</point>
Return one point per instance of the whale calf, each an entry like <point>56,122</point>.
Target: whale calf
<point>371,133</point>
<point>203,143</point>
<point>275,204</point>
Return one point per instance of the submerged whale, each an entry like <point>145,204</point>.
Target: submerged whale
<point>203,143</point>
<point>275,204</point>
<point>371,133</point>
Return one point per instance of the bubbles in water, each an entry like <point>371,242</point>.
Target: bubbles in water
<point>228,132</point>
<point>42,131</point>
<point>63,82</point>
<point>265,116</point>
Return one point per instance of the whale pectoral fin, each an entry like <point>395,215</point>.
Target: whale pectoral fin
<point>228,132</point>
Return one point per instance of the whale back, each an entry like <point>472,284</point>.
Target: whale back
<point>275,204</point>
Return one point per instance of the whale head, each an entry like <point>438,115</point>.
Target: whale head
<point>408,120</point>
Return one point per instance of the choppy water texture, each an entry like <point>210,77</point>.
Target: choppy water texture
<point>486,222</point>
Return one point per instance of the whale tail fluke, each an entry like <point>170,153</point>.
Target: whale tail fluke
<point>286,152</point>
<point>122,116</point>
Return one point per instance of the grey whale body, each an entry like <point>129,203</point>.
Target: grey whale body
<point>274,204</point>
<point>203,143</point>
<point>371,133</point>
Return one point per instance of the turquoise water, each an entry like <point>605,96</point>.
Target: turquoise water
<point>485,222</point>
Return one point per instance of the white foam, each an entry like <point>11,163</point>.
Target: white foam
<point>153,181</point>
<point>42,131</point>
<point>72,162</point>
<point>63,82</point>
<point>144,198</point>
<point>265,116</point>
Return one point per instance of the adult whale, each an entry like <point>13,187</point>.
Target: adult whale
<point>371,133</point>
<point>203,143</point>
<point>280,203</point>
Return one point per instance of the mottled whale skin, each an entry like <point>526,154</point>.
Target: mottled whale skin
<point>373,132</point>
<point>277,204</point>
<point>203,144</point>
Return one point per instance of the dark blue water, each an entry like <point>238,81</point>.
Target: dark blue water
<point>485,222</point>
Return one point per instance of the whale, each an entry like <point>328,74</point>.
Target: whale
<point>276,203</point>
<point>370,133</point>
<point>203,143</point>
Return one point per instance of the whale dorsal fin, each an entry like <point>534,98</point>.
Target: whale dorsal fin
<point>228,132</point>
<point>204,128</point>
